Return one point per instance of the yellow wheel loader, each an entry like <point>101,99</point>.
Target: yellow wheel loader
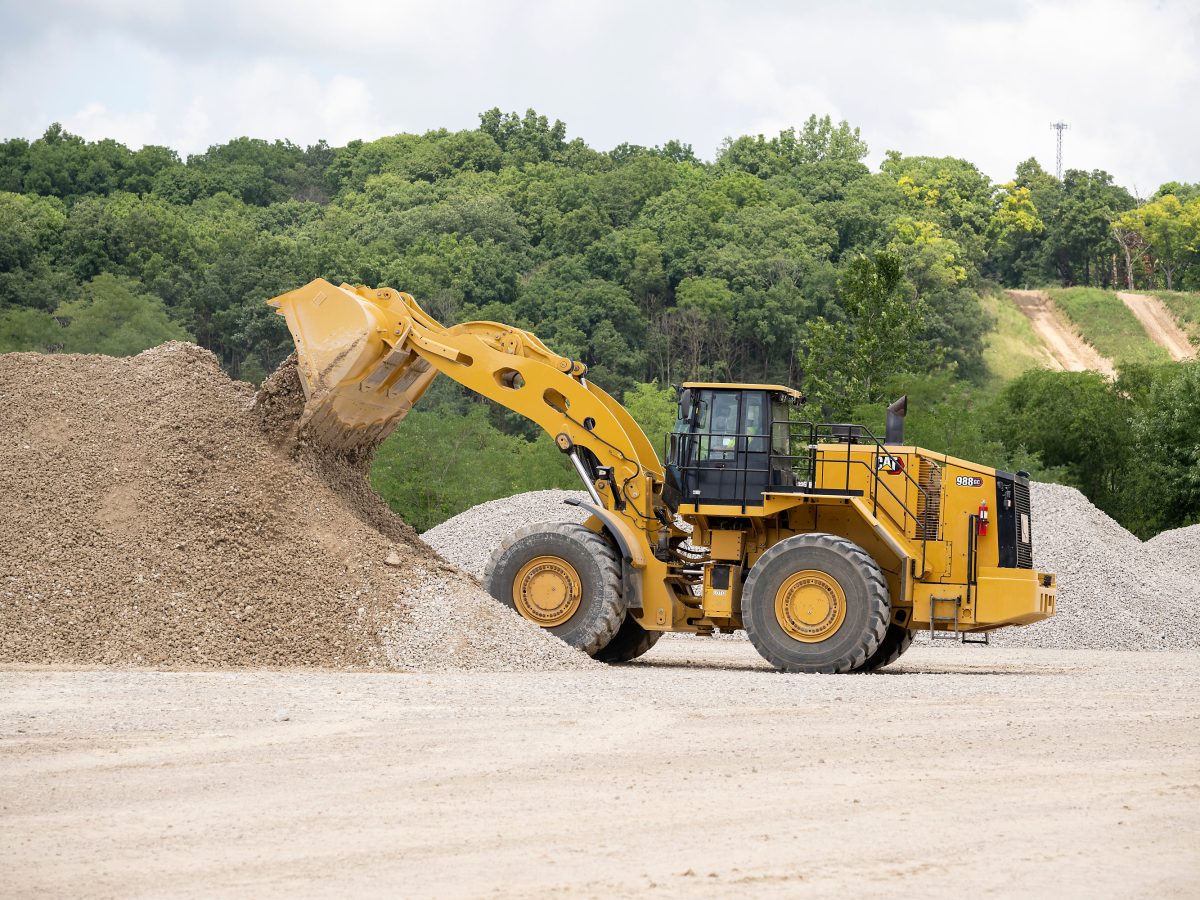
<point>830,547</point>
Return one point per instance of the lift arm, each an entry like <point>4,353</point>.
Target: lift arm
<point>366,356</point>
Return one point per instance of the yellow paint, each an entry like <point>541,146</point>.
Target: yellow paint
<point>722,605</point>
<point>810,606</point>
<point>547,591</point>
<point>727,544</point>
<point>734,385</point>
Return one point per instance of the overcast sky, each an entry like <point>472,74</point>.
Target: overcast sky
<point>981,81</point>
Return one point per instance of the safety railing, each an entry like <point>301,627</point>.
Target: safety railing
<point>745,466</point>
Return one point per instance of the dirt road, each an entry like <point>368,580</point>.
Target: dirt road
<point>967,771</point>
<point>1070,351</point>
<point>1159,324</point>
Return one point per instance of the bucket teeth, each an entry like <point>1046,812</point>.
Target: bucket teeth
<point>320,426</point>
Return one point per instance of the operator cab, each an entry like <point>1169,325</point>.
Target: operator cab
<point>731,443</point>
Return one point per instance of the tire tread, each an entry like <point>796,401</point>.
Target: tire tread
<point>877,596</point>
<point>612,611</point>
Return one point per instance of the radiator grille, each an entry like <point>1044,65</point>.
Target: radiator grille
<point>1024,526</point>
<point>929,512</point>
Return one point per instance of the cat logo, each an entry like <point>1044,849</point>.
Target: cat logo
<point>889,465</point>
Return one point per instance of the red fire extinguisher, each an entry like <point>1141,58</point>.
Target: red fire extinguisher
<point>983,518</point>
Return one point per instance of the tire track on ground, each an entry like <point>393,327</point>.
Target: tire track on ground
<point>1070,351</point>
<point>1159,324</point>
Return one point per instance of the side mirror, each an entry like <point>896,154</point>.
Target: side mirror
<point>685,405</point>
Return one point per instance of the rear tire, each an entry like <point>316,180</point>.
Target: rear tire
<point>816,603</point>
<point>562,577</point>
<point>630,642</point>
<point>891,648</point>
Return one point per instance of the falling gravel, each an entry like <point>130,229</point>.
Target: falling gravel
<point>155,514</point>
<point>1114,591</point>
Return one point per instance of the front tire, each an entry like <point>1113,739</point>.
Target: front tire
<point>562,577</point>
<point>816,603</point>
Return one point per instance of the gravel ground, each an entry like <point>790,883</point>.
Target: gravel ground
<point>1114,592</point>
<point>155,515</point>
<point>963,771</point>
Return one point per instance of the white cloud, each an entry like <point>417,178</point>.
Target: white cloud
<point>980,81</point>
<point>97,121</point>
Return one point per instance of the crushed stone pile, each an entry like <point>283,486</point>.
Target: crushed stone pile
<point>469,539</point>
<point>1181,546</point>
<point>1114,592</point>
<point>155,515</point>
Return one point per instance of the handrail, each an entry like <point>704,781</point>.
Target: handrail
<point>740,449</point>
<point>880,448</point>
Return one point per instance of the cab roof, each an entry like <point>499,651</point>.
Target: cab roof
<point>737,386</point>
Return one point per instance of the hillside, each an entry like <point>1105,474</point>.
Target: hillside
<point>1185,307</point>
<point>1087,329</point>
<point>1109,325</point>
<point>1058,336</point>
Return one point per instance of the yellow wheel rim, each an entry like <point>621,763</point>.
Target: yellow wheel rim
<point>810,606</point>
<point>547,591</point>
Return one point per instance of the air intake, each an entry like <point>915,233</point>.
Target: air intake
<point>929,500</point>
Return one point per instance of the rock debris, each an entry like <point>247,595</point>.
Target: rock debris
<point>155,515</point>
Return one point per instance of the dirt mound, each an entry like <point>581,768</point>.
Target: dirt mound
<point>153,515</point>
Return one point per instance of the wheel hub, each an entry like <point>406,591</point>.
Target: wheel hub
<point>810,606</point>
<point>547,590</point>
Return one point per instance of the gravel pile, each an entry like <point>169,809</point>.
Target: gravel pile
<point>1114,592</point>
<point>468,539</point>
<point>154,514</point>
<point>1180,548</point>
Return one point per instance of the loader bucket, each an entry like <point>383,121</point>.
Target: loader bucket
<point>358,380</point>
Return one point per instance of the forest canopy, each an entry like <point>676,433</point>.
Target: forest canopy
<point>784,259</point>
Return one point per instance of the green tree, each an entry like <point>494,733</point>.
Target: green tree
<point>1079,238</point>
<point>1077,421</point>
<point>528,138</point>
<point>1014,235</point>
<point>821,159</point>
<point>1166,450</point>
<point>30,226</point>
<point>117,318</point>
<point>29,329</point>
<point>848,362</point>
<point>1169,230</point>
<point>707,319</point>
<point>653,408</point>
<point>473,462</point>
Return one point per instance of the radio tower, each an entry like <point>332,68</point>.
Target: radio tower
<point>1060,127</point>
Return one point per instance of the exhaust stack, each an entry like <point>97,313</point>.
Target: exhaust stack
<point>895,421</point>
